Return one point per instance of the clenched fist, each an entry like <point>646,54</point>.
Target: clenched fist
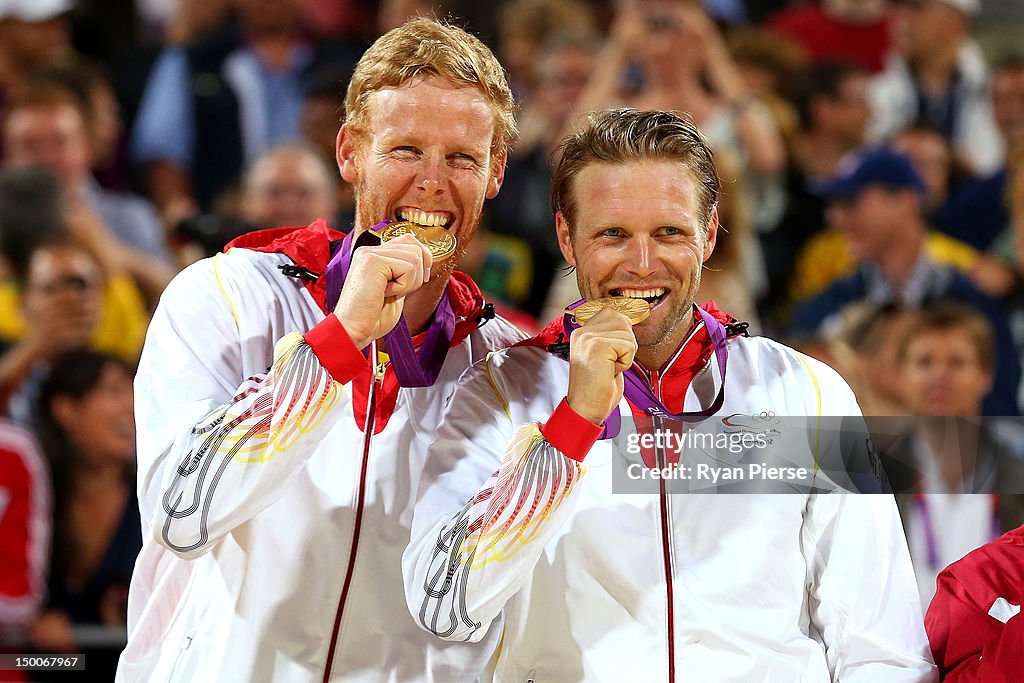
<point>599,352</point>
<point>378,281</point>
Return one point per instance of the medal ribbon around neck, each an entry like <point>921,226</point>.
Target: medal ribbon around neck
<point>640,394</point>
<point>411,368</point>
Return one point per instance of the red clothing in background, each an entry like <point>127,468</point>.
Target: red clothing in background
<point>973,623</point>
<point>824,38</point>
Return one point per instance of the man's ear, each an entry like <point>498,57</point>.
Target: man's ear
<point>712,236</point>
<point>497,172</point>
<point>347,154</point>
<point>564,241</point>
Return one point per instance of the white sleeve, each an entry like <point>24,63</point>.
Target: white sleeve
<point>862,594</point>
<point>214,447</point>
<point>863,597</point>
<point>492,495</point>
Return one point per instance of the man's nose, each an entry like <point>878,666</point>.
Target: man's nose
<point>640,256</point>
<point>432,171</point>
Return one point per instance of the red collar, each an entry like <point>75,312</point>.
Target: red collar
<point>670,382</point>
<point>553,333</point>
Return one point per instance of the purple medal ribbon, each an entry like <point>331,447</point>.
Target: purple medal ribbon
<point>411,369</point>
<point>639,393</point>
<point>931,544</point>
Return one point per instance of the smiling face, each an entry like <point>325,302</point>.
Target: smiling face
<point>426,157</point>
<point>101,423</point>
<point>639,231</point>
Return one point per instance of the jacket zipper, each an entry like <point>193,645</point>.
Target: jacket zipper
<point>379,369</point>
<point>661,459</point>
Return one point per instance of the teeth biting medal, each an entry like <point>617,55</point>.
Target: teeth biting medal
<point>440,242</point>
<point>636,310</point>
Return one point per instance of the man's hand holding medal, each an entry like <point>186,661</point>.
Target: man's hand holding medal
<point>600,352</point>
<point>380,277</point>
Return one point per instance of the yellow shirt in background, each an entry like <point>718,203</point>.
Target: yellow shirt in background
<point>122,325</point>
<point>825,259</point>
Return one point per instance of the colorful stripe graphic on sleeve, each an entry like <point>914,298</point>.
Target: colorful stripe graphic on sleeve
<point>511,513</point>
<point>267,416</point>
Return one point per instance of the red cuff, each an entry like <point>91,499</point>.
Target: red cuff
<point>569,432</point>
<point>335,349</point>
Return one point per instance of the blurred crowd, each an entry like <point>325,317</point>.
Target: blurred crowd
<point>872,156</point>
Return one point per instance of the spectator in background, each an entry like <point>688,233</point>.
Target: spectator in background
<point>934,160</point>
<point>944,176</point>
<point>873,333</point>
<point>91,85</point>
<point>937,74</point>
<point>974,622</point>
<point>988,212</point>
<point>87,430</point>
<point>33,34</point>
<point>31,212</point>
<point>524,249</point>
<point>876,203</point>
<point>321,117</point>
<point>289,185</point>
<point>771,66</point>
<point>825,257</point>
<point>179,22</point>
<point>947,362</point>
<point>525,30</point>
<point>853,30</point>
<point>61,292</point>
<point>834,113</point>
<point>46,127</point>
<point>60,305</point>
<point>24,527</point>
<point>213,106</point>
<point>722,279</point>
<point>685,66</point>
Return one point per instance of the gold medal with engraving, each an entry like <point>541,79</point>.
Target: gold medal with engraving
<point>636,310</point>
<point>440,242</point>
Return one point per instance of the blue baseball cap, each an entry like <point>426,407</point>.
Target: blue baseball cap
<point>880,166</point>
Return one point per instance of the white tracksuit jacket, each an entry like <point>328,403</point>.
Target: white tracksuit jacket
<point>263,502</point>
<point>780,588</point>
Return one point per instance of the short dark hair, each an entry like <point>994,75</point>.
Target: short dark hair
<point>946,315</point>
<point>617,136</point>
<point>31,213</point>
<point>823,80</point>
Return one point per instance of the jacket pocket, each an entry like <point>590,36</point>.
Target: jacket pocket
<point>182,654</point>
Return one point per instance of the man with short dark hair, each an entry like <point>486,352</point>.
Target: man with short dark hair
<point>937,74</point>
<point>876,202</point>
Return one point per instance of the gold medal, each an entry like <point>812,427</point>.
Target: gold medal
<point>636,310</point>
<point>440,242</point>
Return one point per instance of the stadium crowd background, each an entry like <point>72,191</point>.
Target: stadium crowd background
<point>872,154</point>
